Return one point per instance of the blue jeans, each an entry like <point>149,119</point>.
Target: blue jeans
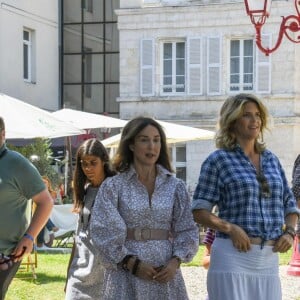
<point>49,225</point>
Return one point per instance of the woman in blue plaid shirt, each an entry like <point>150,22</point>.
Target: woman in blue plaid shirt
<point>257,209</point>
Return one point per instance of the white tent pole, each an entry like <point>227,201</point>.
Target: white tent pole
<point>66,171</point>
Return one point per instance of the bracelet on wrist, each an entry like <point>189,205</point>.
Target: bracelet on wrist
<point>28,236</point>
<point>125,262</point>
<point>135,266</point>
<point>291,231</point>
<point>178,259</point>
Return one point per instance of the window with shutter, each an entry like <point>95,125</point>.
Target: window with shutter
<point>181,67</point>
<point>194,72</point>
<point>250,69</point>
<point>263,67</point>
<point>214,65</point>
<point>147,67</point>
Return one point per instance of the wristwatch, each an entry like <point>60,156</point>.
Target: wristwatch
<point>290,230</point>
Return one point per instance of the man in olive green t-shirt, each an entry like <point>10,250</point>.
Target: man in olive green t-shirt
<point>19,182</point>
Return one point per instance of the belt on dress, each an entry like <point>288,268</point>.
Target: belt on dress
<point>260,241</point>
<point>144,234</point>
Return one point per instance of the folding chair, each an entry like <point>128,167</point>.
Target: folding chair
<point>30,263</point>
<point>63,217</point>
<point>64,240</point>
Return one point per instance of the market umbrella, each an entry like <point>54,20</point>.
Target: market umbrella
<point>175,134</point>
<point>85,120</point>
<point>25,121</point>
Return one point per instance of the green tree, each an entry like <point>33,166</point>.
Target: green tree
<point>40,154</point>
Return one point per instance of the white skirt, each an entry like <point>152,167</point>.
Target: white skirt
<point>252,275</point>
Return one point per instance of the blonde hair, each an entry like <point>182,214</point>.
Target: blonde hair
<point>231,110</point>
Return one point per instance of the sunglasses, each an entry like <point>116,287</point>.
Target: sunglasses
<point>264,185</point>
<point>5,259</point>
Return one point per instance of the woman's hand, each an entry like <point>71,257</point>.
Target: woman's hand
<point>146,271</point>
<point>168,272</point>
<point>240,239</point>
<point>284,243</point>
<point>23,248</point>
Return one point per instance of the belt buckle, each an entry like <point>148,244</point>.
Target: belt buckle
<point>142,234</point>
<point>146,234</point>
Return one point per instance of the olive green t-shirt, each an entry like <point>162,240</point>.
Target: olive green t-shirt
<point>19,181</point>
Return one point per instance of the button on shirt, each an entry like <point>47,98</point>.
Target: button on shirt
<point>228,179</point>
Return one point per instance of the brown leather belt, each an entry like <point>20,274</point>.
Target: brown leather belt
<point>144,234</point>
<point>260,241</point>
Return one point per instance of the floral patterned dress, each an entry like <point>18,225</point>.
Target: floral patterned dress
<point>85,275</point>
<point>123,202</point>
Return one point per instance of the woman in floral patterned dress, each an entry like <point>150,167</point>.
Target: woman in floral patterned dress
<point>141,222</point>
<point>85,271</point>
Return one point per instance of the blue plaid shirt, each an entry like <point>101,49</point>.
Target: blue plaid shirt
<point>228,179</point>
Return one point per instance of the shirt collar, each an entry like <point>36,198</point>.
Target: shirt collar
<point>265,154</point>
<point>161,171</point>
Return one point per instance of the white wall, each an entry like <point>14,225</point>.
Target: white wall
<point>41,16</point>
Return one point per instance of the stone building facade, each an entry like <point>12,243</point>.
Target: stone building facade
<point>179,60</point>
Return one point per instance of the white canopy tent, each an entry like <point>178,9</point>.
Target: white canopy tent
<point>25,121</point>
<point>85,120</point>
<point>175,134</point>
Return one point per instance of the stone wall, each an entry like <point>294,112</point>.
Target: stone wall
<point>159,20</point>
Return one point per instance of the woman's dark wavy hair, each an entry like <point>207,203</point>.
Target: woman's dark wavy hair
<point>124,156</point>
<point>89,147</point>
<point>231,110</point>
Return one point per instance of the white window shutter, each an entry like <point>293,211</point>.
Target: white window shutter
<point>263,67</point>
<point>194,66</point>
<point>147,67</point>
<point>214,66</point>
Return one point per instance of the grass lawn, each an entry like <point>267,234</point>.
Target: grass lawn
<point>51,275</point>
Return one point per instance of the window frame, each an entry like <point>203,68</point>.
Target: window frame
<point>241,85</point>
<point>88,62</point>
<point>28,57</point>
<point>178,164</point>
<point>174,74</point>
<point>88,6</point>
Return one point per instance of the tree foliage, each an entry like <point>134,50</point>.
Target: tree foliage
<point>40,154</point>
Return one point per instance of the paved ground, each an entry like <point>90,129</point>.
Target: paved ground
<point>195,280</point>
